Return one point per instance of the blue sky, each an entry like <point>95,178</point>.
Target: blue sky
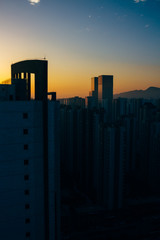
<point>82,39</point>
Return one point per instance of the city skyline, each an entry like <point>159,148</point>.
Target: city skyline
<point>84,39</point>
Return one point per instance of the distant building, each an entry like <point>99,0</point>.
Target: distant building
<point>90,102</point>
<point>105,93</point>
<point>94,89</point>
<point>7,92</point>
<point>109,166</point>
<point>74,102</point>
<point>8,81</point>
<point>154,163</point>
<point>94,86</point>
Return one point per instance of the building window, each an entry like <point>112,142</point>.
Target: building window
<point>25,146</point>
<point>26,162</point>
<point>27,206</point>
<point>26,192</point>
<point>28,234</point>
<point>10,97</point>
<point>27,220</point>
<point>26,177</point>
<point>25,131</point>
<point>25,115</point>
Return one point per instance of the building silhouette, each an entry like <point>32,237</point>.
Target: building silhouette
<point>101,95</point>
<point>29,157</point>
<point>105,88</point>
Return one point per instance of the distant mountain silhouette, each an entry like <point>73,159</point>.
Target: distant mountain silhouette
<point>151,92</point>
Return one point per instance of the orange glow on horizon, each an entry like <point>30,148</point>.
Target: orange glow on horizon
<point>70,81</point>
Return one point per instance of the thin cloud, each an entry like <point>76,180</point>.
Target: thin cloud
<point>34,2</point>
<point>147,26</point>
<point>138,1</point>
<point>88,29</point>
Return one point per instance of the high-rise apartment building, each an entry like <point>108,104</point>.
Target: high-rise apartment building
<point>29,158</point>
<point>154,166</point>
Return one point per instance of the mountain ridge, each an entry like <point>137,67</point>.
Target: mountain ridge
<point>149,93</point>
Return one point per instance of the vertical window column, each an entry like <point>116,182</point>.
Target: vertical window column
<point>26,193</point>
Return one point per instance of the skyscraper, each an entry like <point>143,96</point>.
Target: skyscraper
<point>105,93</point>
<point>94,87</point>
<point>92,100</point>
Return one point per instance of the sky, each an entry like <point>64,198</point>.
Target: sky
<point>82,39</point>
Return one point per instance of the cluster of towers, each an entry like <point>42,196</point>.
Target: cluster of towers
<point>93,147</point>
<point>110,146</point>
<point>102,92</point>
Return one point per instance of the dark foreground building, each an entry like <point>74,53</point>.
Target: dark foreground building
<point>29,156</point>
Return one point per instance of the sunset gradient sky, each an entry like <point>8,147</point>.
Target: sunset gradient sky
<point>82,39</point>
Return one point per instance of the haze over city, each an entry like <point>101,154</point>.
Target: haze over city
<point>83,39</point>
